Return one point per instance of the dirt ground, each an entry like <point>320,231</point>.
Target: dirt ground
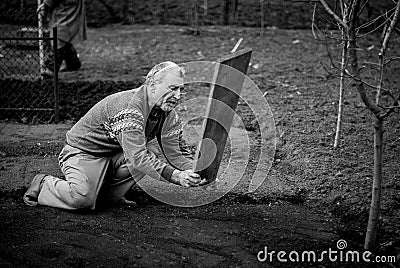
<point>313,196</point>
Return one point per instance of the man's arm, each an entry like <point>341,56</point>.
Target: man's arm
<point>128,128</point>
<point>173,146</point>
<point>147,162</point>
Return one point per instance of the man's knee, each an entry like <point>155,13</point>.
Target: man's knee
<point>82,198</point>
<point>82,202</point>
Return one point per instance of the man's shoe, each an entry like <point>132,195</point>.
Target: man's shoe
<point>31,195</point>
<point>125,201</point>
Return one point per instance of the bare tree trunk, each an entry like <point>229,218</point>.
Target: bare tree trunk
<point>370,237</point>
<point>128,12</point>
<point>205,8</point>
<point>372,228</point>
<point>262,18</point>
<point>235,11</point>
<point>196,17</point>
<point>345,10</point>
<point>165,13</point>
<point>375,203</point>
<point>341,97</point>
<point>380,113</point>
<point>225,12</point>
<point>41,42</point>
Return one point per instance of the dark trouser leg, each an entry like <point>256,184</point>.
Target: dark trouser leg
<point>61,54</point>
<point>71,58</point>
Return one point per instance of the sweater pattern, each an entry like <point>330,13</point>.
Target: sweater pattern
<point>127,119</point>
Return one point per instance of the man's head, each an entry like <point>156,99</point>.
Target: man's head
<point>164,83</point>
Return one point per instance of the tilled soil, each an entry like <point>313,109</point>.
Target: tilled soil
<point>228,233</point>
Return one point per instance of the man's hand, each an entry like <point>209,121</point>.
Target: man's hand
<point>186,178</point>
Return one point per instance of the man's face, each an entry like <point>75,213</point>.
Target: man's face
<point>168,93</point>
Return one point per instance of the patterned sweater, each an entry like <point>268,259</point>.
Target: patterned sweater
<point>123,122</point>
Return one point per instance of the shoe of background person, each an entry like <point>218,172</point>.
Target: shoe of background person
<point>63,67</point>
<point>31,195</point>
<point>71,57</point>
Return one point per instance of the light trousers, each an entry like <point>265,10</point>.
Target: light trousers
<point>87,179</point>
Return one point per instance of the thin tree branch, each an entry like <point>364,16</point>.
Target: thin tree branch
<point>334,15</point>
<point>371,63</point>
<point>354,62</point>
<point>349,75</point>
<point>375,29</point>
<point>313,25</point>
<point>386,62</point>
<point>392,59</point>
<point>368,23</point>
<point>384,47</point>
<point>362,8</point>
<point>324,33</point>
<point>342,8</point>
<point>354,5</point>
<point>391,27</point>
<point>387,92</point>
<point>321,15</point>
<point>336,5</point>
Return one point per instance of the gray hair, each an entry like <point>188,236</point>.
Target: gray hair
<point>158,72</point>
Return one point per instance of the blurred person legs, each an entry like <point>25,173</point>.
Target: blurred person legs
<point>65,54</point>
<point>69,17</point>
<point>71,59</point>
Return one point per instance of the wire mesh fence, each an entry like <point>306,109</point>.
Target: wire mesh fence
<point>28,80</point>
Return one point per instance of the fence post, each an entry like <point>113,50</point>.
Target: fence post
<point>41,45</point>
<point>56,92</point>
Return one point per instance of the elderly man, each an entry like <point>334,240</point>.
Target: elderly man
<point>106,150</point>
<point>69,16</point>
